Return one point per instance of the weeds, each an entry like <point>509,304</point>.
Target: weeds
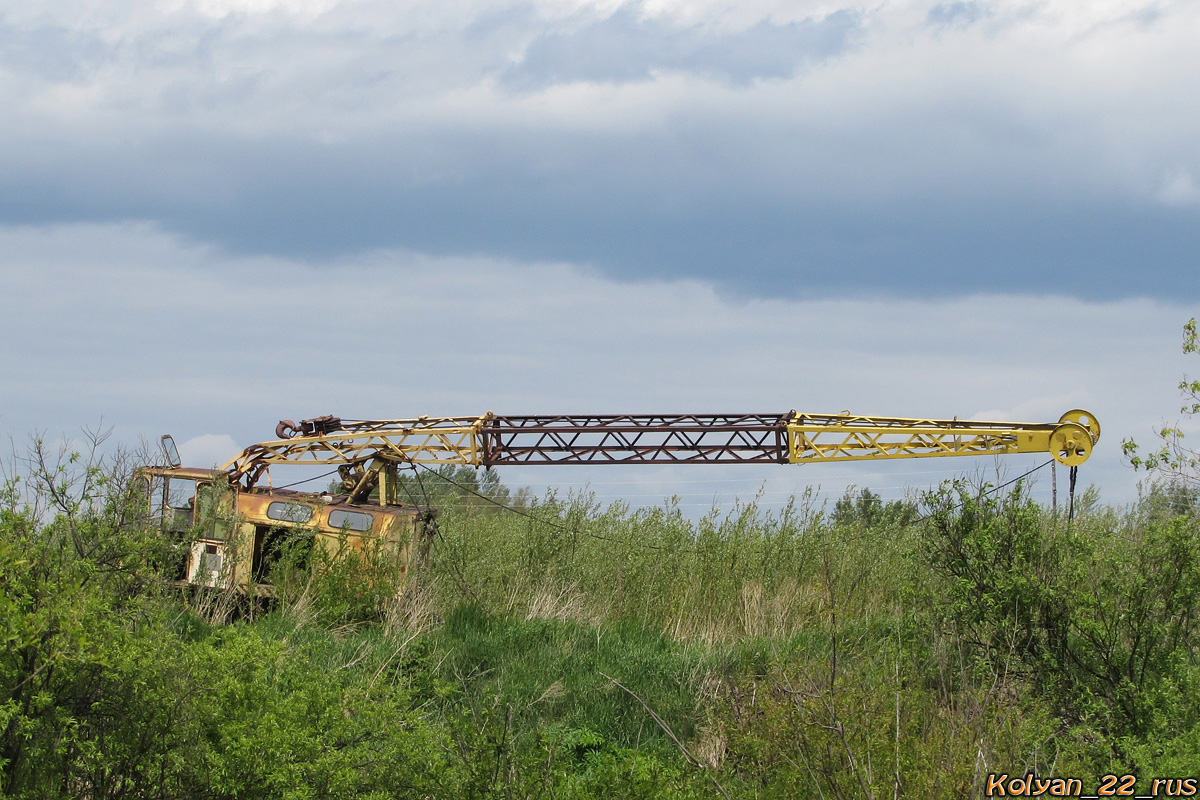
<point>579,651</point>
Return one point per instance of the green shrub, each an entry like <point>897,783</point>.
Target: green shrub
<point>1101,619</point>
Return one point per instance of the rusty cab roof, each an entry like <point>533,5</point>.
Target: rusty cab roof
<point>188,473</point>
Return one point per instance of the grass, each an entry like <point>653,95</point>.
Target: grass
<point>583,651</point>
<point>798,649</point>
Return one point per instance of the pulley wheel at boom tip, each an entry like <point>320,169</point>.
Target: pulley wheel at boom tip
<point>1085,418</point>
<point>1071,444</point>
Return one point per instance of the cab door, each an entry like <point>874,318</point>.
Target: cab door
<point>213,519</point>
<point>213,511</point>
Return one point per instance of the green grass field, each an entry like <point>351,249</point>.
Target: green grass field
<point>575,651</point>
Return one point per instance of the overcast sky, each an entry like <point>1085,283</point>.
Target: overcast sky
<point>218,213</point>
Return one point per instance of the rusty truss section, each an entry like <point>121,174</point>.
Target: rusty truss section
<point>490,440</point>
<point>636,439</point>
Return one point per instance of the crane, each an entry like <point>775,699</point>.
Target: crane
<point>238,502</point>
<point>792,438</point>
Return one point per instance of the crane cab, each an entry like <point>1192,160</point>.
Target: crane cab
<point>225,535</point>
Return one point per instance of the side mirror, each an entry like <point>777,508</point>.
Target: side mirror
<point>170,450</point>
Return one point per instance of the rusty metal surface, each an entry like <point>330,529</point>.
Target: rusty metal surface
<point>188,473</point>
<point>317,426</point>
<point>635,439</point>
<point>424,440</point>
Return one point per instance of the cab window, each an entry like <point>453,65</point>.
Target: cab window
<point>350,520</point>
<point>213,506</point>
<point>179,503</point>
<point>296,513</point>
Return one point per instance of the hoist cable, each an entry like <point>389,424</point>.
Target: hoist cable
<point>306,480</point>
<point>1071,495</point>
<point>541,519</point>
<point>576,531</point>
<point>1006,484</point>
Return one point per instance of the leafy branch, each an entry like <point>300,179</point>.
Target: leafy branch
<point>1173,458</point>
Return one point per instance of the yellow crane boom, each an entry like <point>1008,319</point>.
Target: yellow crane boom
<point>491,440</point>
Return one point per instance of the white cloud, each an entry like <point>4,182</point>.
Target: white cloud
<point>209,450</point>
<point>1179,189</point>
<point>1097,92</point>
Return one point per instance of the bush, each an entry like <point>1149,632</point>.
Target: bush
<point>1100,620</point>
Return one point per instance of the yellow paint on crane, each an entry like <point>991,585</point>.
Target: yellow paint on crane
<point>848,437</point>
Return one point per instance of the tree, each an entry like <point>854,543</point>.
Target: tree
<point>868,508</point>
<point>1173,458</point>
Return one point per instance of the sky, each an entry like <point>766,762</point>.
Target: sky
<point>215,214</point>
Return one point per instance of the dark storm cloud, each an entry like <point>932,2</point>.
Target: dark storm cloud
<point>848,153</point>
<point>635,218</point>
<point>647,45</point>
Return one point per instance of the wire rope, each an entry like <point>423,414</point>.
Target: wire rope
<point>538,518</point>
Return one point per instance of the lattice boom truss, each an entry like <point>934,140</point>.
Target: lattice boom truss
<point>492,440</point>
<point>427,440</point>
